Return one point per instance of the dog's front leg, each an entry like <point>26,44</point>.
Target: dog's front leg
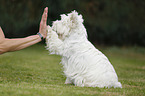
<point>54,44</point>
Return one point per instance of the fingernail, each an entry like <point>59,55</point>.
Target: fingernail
<point>46,8</point>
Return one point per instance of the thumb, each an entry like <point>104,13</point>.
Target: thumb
<point>1,33</point>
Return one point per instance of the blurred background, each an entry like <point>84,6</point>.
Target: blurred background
<point>108,22</point>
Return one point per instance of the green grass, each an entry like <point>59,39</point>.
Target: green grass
<point>33,72</point>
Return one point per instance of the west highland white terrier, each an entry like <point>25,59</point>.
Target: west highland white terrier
<point>83,64</point>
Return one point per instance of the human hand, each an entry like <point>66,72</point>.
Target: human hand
<point>43,26</point>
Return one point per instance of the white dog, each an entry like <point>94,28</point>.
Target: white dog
<point>83,64</point>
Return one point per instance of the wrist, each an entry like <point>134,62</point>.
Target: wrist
<point>40,35</point>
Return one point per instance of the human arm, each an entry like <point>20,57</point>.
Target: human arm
<point>7,45</point>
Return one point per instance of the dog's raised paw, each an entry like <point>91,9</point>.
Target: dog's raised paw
<point>49,28</point>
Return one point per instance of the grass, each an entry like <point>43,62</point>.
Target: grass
<point>33,72</point>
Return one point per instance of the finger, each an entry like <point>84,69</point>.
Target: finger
<point>46,9</point>
<point>1,29</point>
<point>1,33</point>
<point>44,16</point>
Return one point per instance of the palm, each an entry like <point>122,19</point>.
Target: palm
<point>42,28</point>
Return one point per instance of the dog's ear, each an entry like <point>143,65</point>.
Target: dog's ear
<point>75,19</point>
<point>63,17</point>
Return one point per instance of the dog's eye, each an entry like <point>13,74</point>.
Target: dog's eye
<point>58,33</point>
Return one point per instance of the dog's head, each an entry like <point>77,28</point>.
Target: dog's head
<point>68,24</point>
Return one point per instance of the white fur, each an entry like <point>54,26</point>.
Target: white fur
<point>84,65</point>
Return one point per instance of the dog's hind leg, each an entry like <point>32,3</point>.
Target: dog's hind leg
<point>68,81</point>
